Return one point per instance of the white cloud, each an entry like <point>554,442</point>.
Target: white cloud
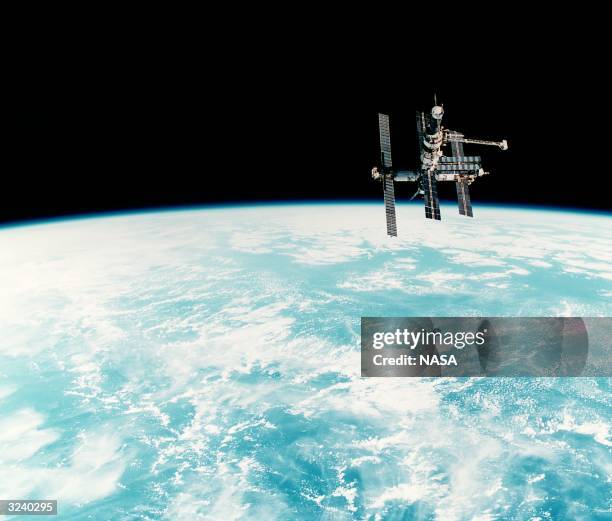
<point>94,470</point>
<point>21,436</point>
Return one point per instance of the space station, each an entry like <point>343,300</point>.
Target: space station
<point>435,165</point>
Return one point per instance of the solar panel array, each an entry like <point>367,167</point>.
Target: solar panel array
<point>385,140</point>
<point>458,167</point>
<point>463,198</point>
<point>460,159</point>
<point>457,148</point>
<point>430,189</point>
<point>462,163</point>
<point>390,207</point>
<point>421,126</point>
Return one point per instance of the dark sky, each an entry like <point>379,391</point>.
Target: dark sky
<point>118,129</point>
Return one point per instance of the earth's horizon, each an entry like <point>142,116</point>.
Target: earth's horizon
<point>448,204</point>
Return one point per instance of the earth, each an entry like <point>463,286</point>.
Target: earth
<point>204,364</point>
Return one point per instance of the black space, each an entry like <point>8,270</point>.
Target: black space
<point>110,130</point>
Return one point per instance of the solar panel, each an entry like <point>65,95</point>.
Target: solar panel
<point>390,207</point>
<point>421,127</point>
<point>457,148</point>
<point>463,198</point>
<point>385,140</point>
<point>430,189</point>
<point>458,167</point>
<point>460,159</point>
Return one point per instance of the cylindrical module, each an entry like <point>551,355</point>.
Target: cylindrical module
<point>432,149</point>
